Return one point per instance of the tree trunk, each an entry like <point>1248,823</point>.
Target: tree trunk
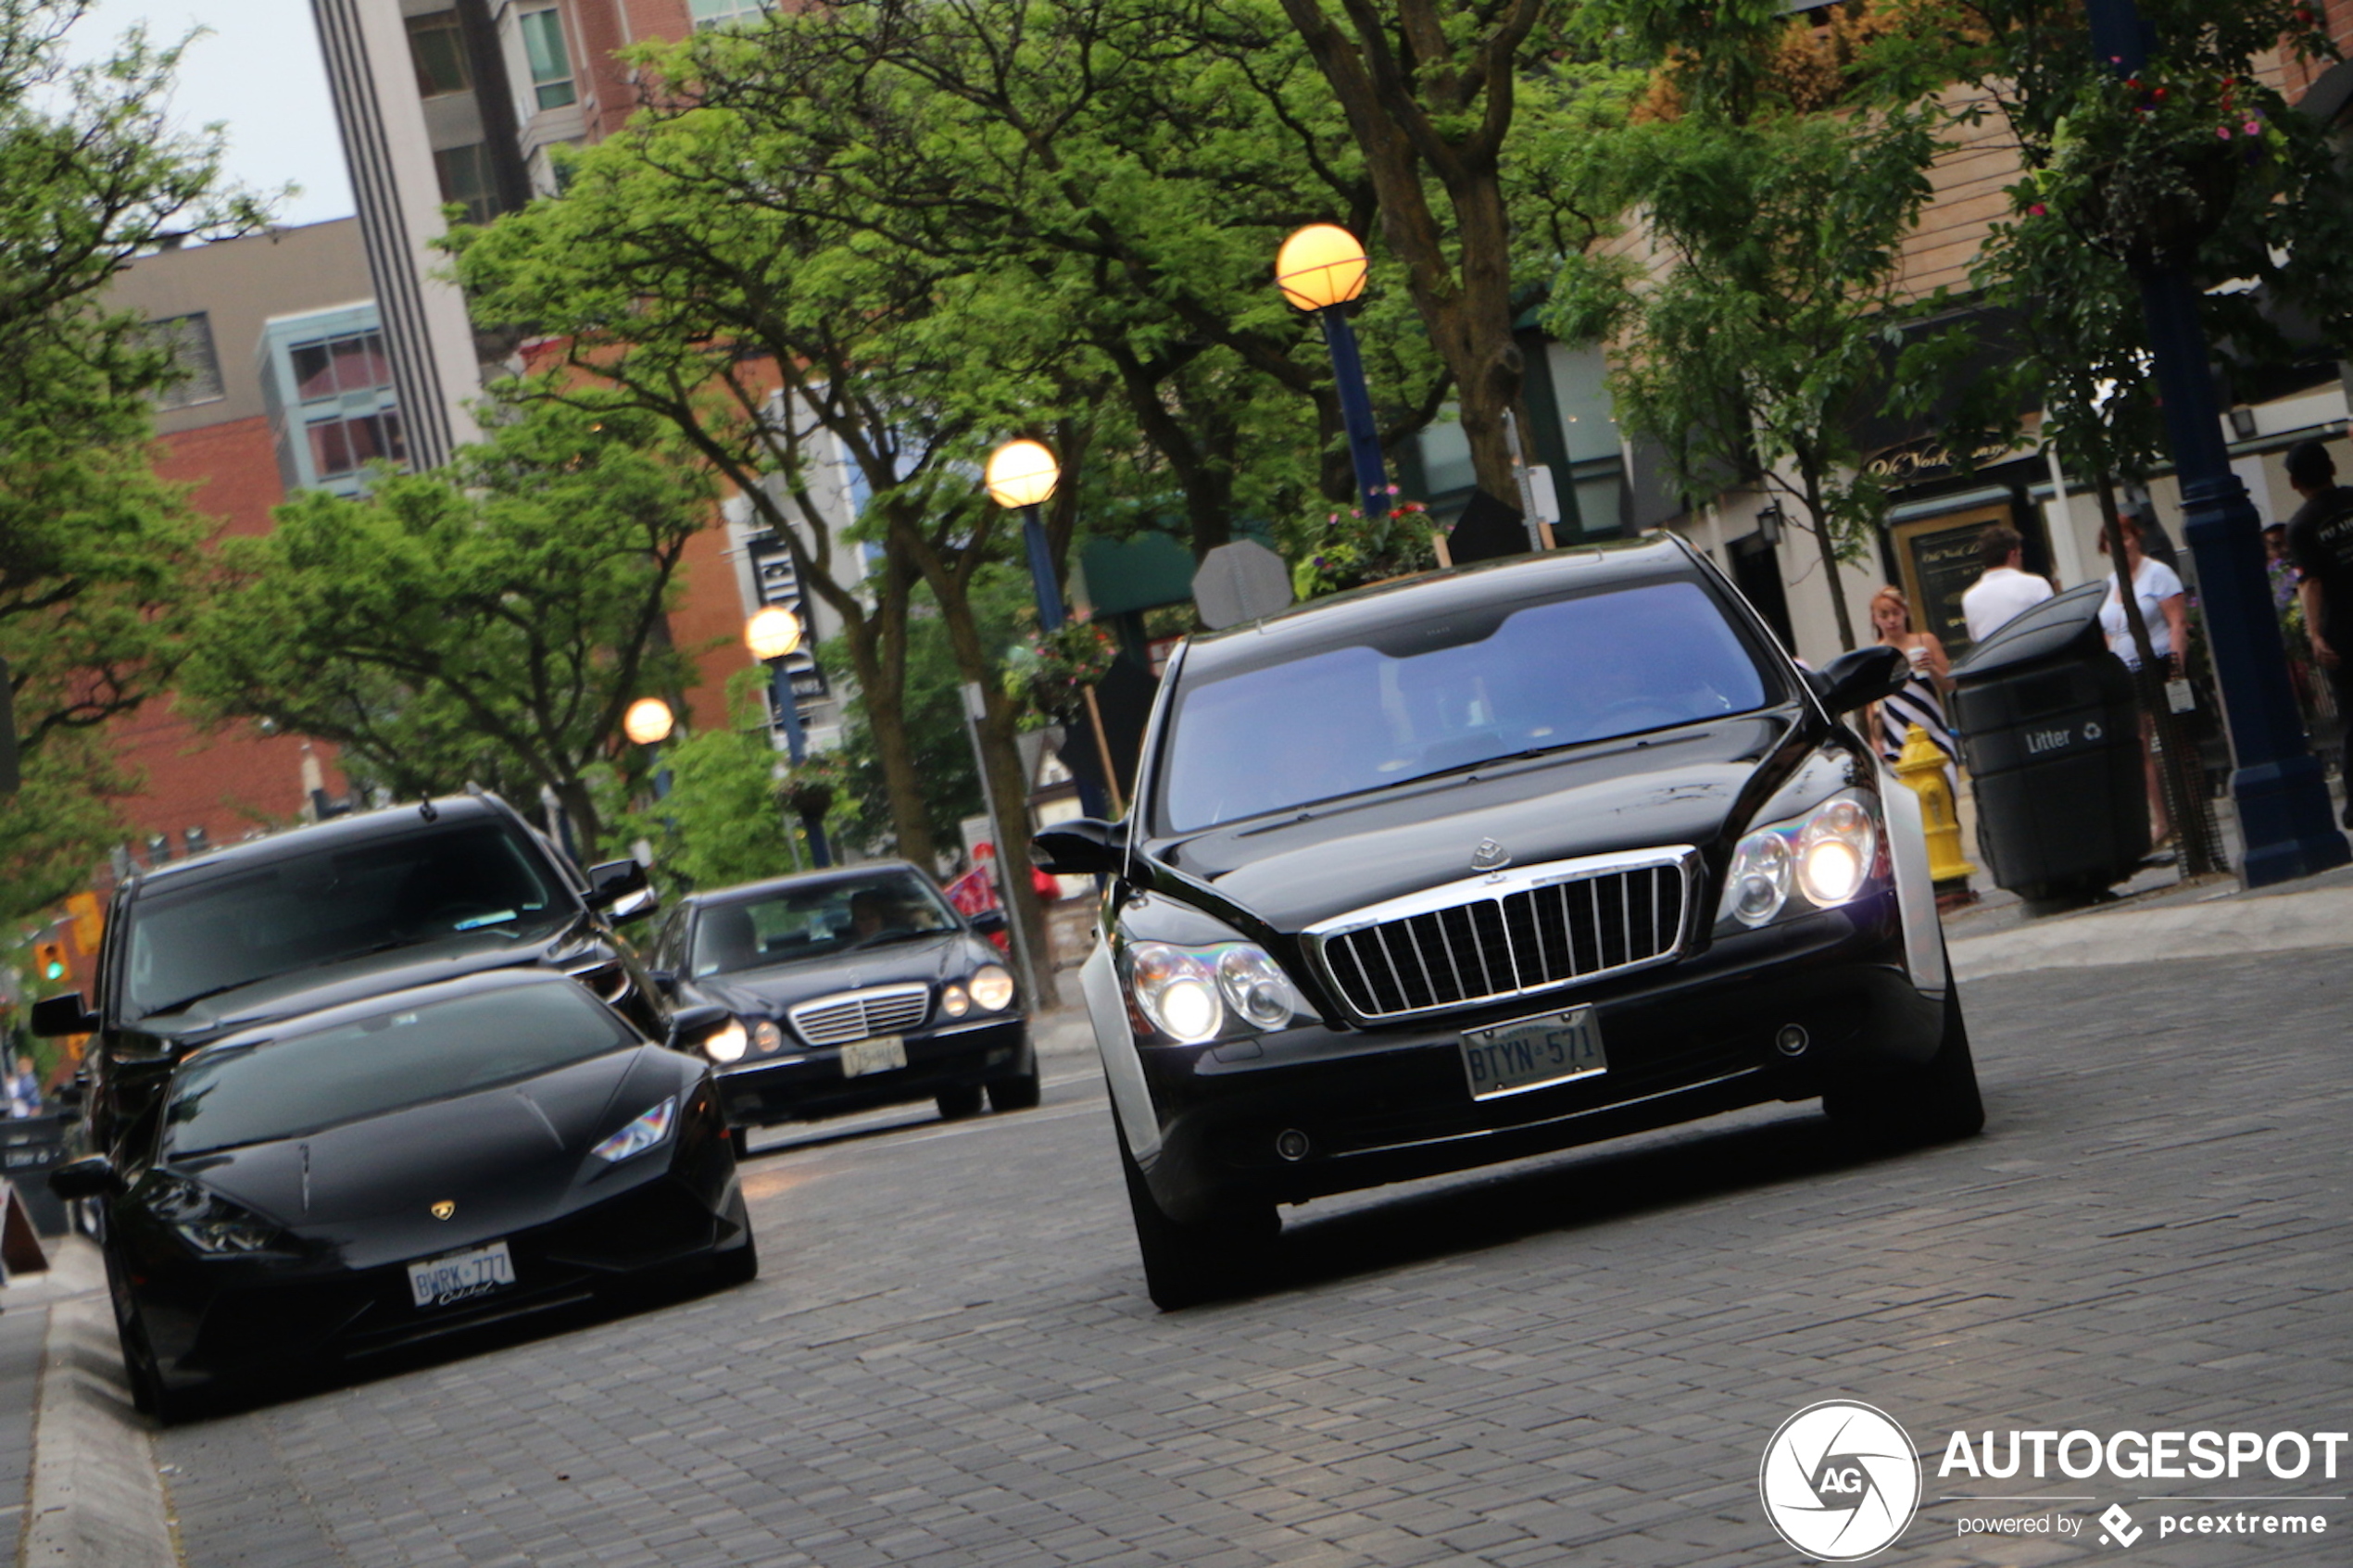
<point>1429,104</point>
<point>1828,548</point>
<point>587,827</point>
<point>1001,759</point>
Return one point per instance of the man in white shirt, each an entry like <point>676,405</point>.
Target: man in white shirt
<point>2005,591</point>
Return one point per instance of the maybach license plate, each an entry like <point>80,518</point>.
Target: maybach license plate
<point>1533,1053</point>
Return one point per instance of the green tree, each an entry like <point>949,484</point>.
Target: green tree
<point>95,553</point>
<point>1433,95</point>
<point>1754,332</point>
<point>493,618</point>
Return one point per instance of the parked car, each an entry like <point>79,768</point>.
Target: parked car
<point>1489,862</point>
<point>348,909</point>
<point>345,1180</point>
<point>853,988</point>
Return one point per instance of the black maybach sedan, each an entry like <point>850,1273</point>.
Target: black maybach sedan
<point>1489,862</point>
<point>850,989</point>
<point>351,1180</point>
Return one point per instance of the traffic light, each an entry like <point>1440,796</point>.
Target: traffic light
<point>49,960</point>
<point>89,924</point>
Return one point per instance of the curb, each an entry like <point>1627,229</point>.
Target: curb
<point>2229,926</point>
<point>98,1500</point>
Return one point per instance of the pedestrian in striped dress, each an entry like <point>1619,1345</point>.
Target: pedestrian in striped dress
<point>1921,701</point>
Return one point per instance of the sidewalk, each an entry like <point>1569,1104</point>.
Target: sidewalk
<point>2156,914</point>
<point>79,1467</point>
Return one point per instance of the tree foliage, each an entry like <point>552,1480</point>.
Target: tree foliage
<point>490,622</point>
<point>1765,319</point>
<point>95,552</point>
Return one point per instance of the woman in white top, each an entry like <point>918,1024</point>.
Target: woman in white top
<point>2165,610</point>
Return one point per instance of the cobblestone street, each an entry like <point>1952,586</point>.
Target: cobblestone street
<point>949,1358</point>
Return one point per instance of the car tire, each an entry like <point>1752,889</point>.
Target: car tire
<point>1016,1094</point>
<point>958,1103</point>
<point>1187,1265</point>
<point>1934,1102</point>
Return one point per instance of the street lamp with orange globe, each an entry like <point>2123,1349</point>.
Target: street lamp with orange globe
<point>647,722</point>
<point>1322,269</point>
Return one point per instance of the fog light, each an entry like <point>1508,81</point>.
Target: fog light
<point>1291,1144</point>
<point>1791,1040</point>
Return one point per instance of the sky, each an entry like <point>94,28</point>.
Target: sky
<point>259,70</point>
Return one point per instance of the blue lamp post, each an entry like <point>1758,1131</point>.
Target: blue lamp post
<point>774,635</point>
<point>1020,477</point>
<point>2283,801</point>
<point>1321,269</point>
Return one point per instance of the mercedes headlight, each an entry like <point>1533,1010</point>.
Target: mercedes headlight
<point>727,1044</point>
<point>1826,856</point>
<point>991,987</point>
<point>1187,993</point>
<point>647,1132</point>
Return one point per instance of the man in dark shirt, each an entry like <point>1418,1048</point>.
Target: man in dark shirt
<point>2319,540</point>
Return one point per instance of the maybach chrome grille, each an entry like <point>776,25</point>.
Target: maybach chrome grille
<point>1515,933</point>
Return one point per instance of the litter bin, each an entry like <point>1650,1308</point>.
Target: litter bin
<point>2050,727</point>
<point>31,1147</point>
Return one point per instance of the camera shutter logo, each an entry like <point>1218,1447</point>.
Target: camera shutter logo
<point>1840,1481</point>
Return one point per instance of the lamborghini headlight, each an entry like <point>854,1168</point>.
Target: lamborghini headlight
<point>1825,856</point>
<point>647,1132</point>
<point>208,1223</point>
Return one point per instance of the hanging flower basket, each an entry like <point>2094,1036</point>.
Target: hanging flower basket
<point>2146,167</point>
<point>1351,550</point>
<point>1051,673</point>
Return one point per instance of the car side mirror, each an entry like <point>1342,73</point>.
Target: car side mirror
<point>1866,675</point>
<point>67,1014</point>
<point>621,890</point>
<point>1082,846</point>
<point>989,921</point>
<point>93,1175</point>
<point>687,1023</point>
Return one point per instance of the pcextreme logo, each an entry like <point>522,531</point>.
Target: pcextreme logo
<point>1840,1480</point>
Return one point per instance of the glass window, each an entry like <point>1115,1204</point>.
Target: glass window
<point>543,43</point>
<point>828,916</point>
<point>464,176</point>
<point>1517,679</point>
<point>329,448</point>
<point>459,889</point>
<point>360,365</point>
<point>195,368</point>
<point>314,371</point>
<point>438,50</point>
<point>306,1082</point>
<point>708,14</point>
<point>1446,454</point>
<point>339,447</point>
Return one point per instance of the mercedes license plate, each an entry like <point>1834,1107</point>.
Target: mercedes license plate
<point>1533,1053</point>
<point>880,1054</point>
<point>461,1276</point>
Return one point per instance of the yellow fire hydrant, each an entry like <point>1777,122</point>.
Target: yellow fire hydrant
<point>1921,765</point>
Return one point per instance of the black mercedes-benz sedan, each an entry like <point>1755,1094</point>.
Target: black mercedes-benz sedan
<point>852,988</point>
<point>355,1179</point>
<point>1491,861</point>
